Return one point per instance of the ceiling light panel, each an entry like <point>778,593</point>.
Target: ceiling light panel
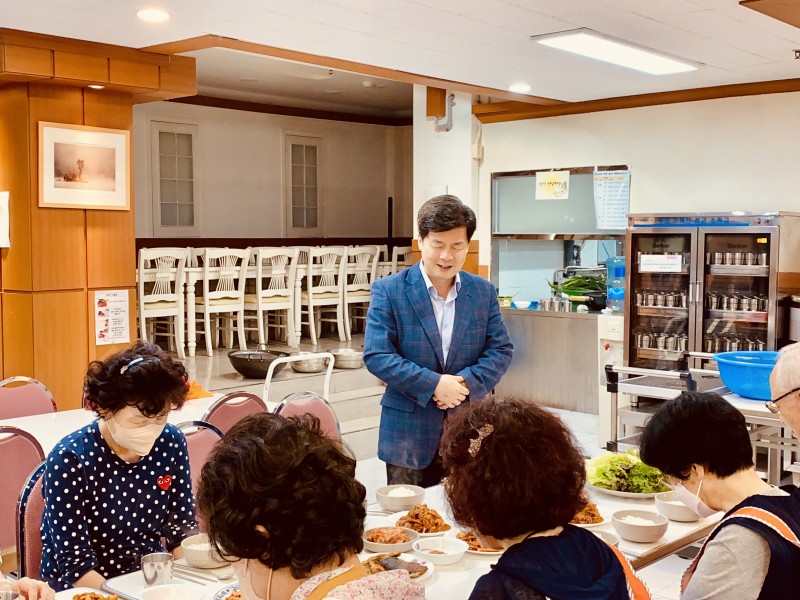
<point>591,45</point>
<point>153,15</point>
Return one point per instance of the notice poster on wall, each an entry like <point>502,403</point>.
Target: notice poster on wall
<point>612,194</point>
<point>552,185</point>
<point>111,317</point>
<point>5,222</point>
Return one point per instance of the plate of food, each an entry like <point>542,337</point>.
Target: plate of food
<point>230,592</point>
<point>425,521</point>
<point>475,545</point>
<point>418,568</point>
<point>589,516</point>
<point>84,593</point>
<point>624,475</point>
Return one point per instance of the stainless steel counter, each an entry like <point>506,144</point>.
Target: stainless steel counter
<point>555,359</point>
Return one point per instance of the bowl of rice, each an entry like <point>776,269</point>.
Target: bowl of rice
<point>395,498</point>
<point>668,505</point>
<point>641,526</point>
<point>197,551</point>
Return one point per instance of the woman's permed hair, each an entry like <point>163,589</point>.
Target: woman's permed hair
<point>143,376</point>
<point>511,467</point>
<point>697,428</point>
<point>277,490</point>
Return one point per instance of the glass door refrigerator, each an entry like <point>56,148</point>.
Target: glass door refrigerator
<point>707,283</point>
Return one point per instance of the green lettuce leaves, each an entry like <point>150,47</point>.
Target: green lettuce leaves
<point>625,473</point>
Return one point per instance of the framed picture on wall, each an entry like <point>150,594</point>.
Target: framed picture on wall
<point>84,167</point>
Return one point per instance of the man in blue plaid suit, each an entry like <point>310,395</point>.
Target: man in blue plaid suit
<point>435,336</point>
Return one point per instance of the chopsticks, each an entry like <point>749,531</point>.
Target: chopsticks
<point>181,573</point>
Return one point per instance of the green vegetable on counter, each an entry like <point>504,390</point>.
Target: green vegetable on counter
<point>582,283</point>
<point>625,473</point>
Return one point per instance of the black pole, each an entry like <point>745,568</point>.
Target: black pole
<point>390,226</point>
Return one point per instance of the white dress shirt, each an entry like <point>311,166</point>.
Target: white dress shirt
<point>444,309</point>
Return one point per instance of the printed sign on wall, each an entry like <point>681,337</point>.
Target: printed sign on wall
<point>552,185</point>
<point>111,317</point>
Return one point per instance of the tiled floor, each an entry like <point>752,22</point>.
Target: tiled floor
<point>216,374</point>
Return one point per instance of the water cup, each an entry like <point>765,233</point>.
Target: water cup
<point>6,595</point>
<point>157,568</point>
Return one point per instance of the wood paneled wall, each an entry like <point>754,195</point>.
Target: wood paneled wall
<point>60,257</point>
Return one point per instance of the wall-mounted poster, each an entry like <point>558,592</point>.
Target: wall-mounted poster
<point>111,317</point>
<point>552,185</point>
<point>83,167</point>
<point>5,222</point>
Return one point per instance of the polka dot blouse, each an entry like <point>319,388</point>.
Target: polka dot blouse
<point>103,513</point>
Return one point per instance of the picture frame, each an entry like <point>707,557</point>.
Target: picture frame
<point>84,167</point>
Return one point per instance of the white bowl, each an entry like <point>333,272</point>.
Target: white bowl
<point>522,303</point>
<point>198,553</point>
<point>413,536</point>
<point>398,503</point>
<point>640,532</point>
<point>610,538</point>
<point>169,591</point>
<point>668,505</point>
<point>453,549</point>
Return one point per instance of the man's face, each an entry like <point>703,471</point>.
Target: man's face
<point>789,405</point>
<point>444,253</point>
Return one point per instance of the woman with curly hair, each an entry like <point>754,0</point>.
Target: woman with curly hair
<point>515,478</point>
<point>281,500</point>
<point>116,487</point>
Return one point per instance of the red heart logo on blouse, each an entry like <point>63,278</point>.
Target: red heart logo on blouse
<point>164,482</point>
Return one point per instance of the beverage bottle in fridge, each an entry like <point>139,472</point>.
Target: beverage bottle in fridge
<point>615,283</point>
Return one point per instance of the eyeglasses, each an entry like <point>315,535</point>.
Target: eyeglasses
<point>773,407</point>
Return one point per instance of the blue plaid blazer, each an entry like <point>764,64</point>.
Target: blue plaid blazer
<point>403,348</point>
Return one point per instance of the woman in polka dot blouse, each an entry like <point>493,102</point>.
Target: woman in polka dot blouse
<point>116,487</point>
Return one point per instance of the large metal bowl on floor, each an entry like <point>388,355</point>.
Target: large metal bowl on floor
<point>347,358</point>
<point>311,365</point>
<point>253,364</point>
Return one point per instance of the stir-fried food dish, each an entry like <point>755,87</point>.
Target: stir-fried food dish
<point>93,596</point>
<point>388,535</point>
<point>423,520</point>
<point>235,595</point>
<point>588,516</point>
<point>392,562</point>
<point>475,544</point>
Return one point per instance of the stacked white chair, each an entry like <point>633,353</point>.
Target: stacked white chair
<point>324,290</point>
<point>160,290</point>
<point>358,283</point>
<point>276,270</point>
<point>402,257</point>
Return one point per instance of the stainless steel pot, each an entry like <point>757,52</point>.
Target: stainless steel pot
<point>310,365</point>
<point>347,358</point>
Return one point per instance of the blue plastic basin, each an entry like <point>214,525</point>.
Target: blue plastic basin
<point>747,372</point>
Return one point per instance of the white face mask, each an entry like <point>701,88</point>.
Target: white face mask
<point>693,501</point>
<point>136,439</point>
<point>245,576</point>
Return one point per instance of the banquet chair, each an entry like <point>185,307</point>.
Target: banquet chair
<point>276,270</point>
<point>201,437</point>
<point>30,398</point>
<point>402,257</point>
<point>224,278</point>
<point>232,408</point>
<point>30,509</point>
<point>324,292</point>
<point>301,403</point>
<point>358,284</point>
<point>19,455</point>
<point>165,297</point>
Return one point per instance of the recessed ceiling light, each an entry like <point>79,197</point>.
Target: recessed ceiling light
<point>593,45</point>
<point>97,87</point>
<point>519,88</point>
<point>248,79</point>
<point>153,15</point>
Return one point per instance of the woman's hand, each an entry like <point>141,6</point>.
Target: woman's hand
<point>33,590</point>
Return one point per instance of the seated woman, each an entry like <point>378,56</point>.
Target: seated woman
<point>282,500</point>
<point>702,442</point>
<point>116,487</point>
<point>784,384</point>
<point>515,478</point>
<point>30,589</point>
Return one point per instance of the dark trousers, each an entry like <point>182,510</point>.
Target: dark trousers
<point>427,477</point>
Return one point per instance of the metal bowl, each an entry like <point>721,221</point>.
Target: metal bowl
<point>347,358</point>
<point>310,365</point>
<point>253,364</point>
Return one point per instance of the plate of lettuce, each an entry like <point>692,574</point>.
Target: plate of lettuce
<point>624,475</point>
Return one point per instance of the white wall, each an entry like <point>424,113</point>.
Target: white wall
<point>715,155</point>
<point>443,158</point>
<point>242,171</point>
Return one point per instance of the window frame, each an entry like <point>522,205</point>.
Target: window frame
<point>290,230</point>
<point>159,230</point>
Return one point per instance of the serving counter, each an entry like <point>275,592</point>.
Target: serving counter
<point>555,359</point>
